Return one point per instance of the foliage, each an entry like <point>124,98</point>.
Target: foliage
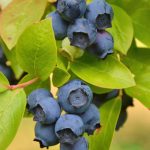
<point>33,54</point>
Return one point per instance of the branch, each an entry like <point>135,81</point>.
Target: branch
<point>22,85</point>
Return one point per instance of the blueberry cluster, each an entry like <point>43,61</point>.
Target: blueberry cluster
<point>84,25</point>
<point>3,67</point>
<point>75,98</point>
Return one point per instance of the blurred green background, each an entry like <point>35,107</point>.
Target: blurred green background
<point>134,135</point>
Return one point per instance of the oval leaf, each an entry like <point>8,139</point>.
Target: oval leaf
<point>122,30</point>
<point>109,73</point>
<point>36,49</point>
<point>18,15</point>
<point>141,25</point>
<point>12,106</point>
<point>138,61</point>
<point>109,113</point>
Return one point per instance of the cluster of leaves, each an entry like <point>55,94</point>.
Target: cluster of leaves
<point>29,44</point>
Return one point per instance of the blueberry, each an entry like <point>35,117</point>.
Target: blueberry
<point>81,144</point>
<point>69,128</point>
<point>100,13</point>
<point>71,9</point>
<point>6,71</point>
<point>47,111</point>
<point>91,119</point>
<point>81,33</point>
<point>59,25</point>
<point>75,97</point>
<point>103,45</point>
<point>45,135</point>
<point>36,96</point>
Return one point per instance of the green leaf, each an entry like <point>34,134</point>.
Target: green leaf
<point>60,77</point>
<point>122,30</point>
<point>109,73</point>
<point>138,61</point>
<point>17,16</point>
<point>60,74</point>
<point>3,82</point>
<point>109,113</point>
<point>12,106</point>
<point>38,84</point>
<point>141,25</point>
<point>36,49</point>
<point>131,6</point>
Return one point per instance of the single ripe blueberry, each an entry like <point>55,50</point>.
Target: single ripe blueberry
<point>69,128</point>
<point>45,135</point>
<point>100,13</point>
<point>81,33</point>
<point>81,144</point>
<point>60,26</point>
<point>91,119</point>
<point>36,96</point>
<point>46,111</point>
<point>71,9</point>
<point>75,97</point>
<point>103,45</point>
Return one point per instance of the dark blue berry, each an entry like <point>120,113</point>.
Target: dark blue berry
<point>47,111</point>
<point>69,128</point>
<point>100,13</point>
<point>103,45</point>
<point>45,135</point>
<point>71,9</point>
<point>36,96</point>
<point>81,33</point>
<point>91,119</point>
<point>60,26</point>
<point>75,97</point>
<point>81,144</point>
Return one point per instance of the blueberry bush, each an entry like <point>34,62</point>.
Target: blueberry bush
<point>88,50</point>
